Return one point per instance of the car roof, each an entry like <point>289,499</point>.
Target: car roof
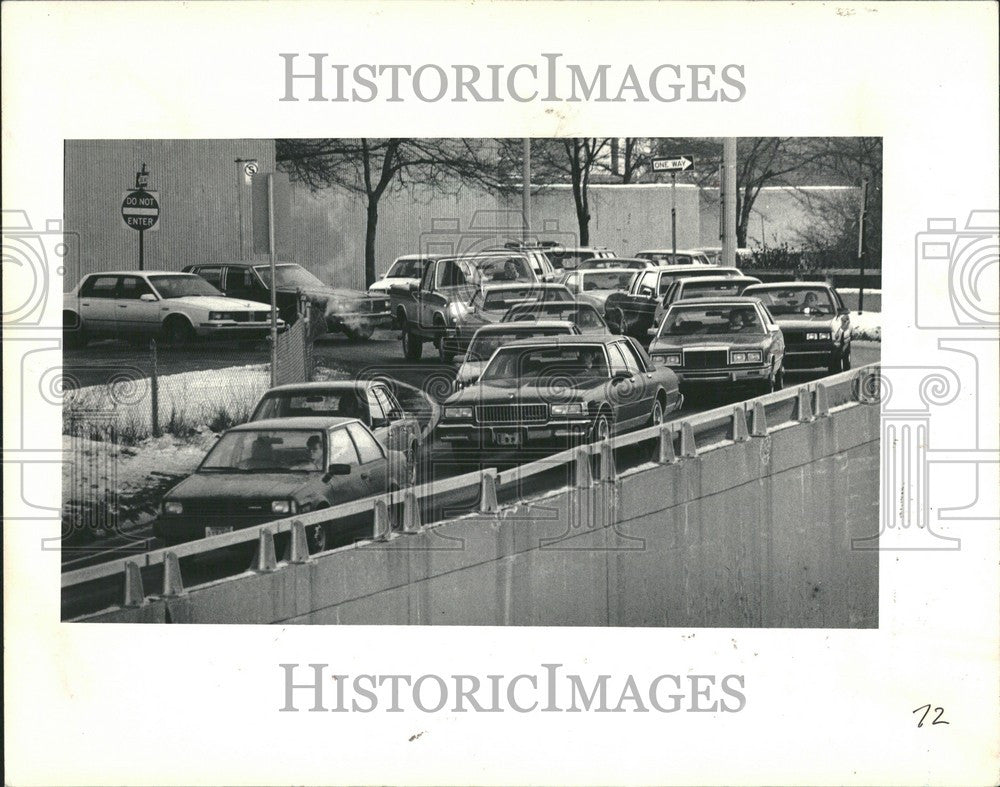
<point>140,273</point>
<point>719,279</point>
<point>669,251</point>
<point>728,300</point>
<point>303,423</point>
<point>584,338</point>
<point>608,270</point>
<point>502,327</point>
<point>238,264</point>
<point>421,257</point>
<point>520,285</point>
<point>686,268</point>
<point>326,385</point>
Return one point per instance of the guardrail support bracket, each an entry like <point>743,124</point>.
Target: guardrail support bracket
<point>608,470</point>
<point>134,594</point>
<point>265,561</point>
<point>381,524</point>
<point>173,585</point>
<point>665,454</point>
<point>689,449</point>
<point>740,433</point>
<point>298,550</point>
<point>822,401</point>
<point>803,406</point>
<point>584,476</point>
<point>411,513</point>
<point>758,421</point>
<point>488,503</point>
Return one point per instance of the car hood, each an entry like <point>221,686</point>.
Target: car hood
<point>240,486</point>
<point>719,341</point>
<point>807,322</point>
<point>219,303</point>
<point>523,392</point>
<point>381,287</point>
<point>470,370</point>
<point>338,294</point>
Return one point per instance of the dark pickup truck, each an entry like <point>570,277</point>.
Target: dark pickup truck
<point>634,312</point>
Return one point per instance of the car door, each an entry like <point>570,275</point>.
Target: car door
<point>138,316</point>
<point>341,450</point>
<point>99,304</point>
<point>402,428</point>
<point>626,396</point>
<point>374,469</point>
<point>377,420</point>
<point>635,360</point>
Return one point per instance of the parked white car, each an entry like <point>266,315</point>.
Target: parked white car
<point>405,270</point>
<point>176,306</point>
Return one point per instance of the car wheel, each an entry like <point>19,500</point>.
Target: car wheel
<point>413,347</point>
<point>177,331</point>
<point>445,355</point>
<point>360,334</point>
<point>74,335</point>
<point>615,320</point>
<point>779,379</point>
<point>601,429</point>
<point>656,417</point>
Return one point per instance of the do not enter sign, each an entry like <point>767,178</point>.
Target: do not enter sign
<point>141,209</point>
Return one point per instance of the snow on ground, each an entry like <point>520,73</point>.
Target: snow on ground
<point>867,326</point>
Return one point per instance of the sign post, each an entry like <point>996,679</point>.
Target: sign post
<point>673,166</point>
<point>862,219</point>
<point>272,254</point>
<point>141,208</point>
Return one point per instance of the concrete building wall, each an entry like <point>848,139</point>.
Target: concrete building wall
<point>202,196</point>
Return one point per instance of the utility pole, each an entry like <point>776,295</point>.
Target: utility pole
<point>526,189</point>
<point>729,201</point>
<point>862,219</point>
<point>274,298</point>
<point>673,213</point>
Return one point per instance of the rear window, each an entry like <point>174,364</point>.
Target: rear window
<point>334,404</point>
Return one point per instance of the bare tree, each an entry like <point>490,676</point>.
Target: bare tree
<point>571,159</point>
<point>371,167</point>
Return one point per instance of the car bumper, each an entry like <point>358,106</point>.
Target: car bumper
<point>335,322</point>
<point>811,356</point>
<point>236,330</point>
<point>179,529</point>
<point>471,435</point>
<point>726,375</point>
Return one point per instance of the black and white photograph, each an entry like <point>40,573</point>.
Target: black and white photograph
<point>580,381</point>
<point>497,392</point>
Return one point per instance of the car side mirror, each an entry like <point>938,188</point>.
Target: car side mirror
<point>148,297</point>
<point>843,312</point>
<point>380,423</point>
<point>412,286</point>
<point>460,359</point>
<point>621,376</point>
<point>646,291</point>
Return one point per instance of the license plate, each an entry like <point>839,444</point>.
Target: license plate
<point>218,531</point>
<point>507,438</point>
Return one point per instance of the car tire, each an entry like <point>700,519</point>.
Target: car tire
<point>656,417</point>
<point>177,331</point>
<point>601,429</point>
<point>445,355</point>
<point>413,346</point>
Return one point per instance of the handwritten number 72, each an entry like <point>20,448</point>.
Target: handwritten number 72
<point>927,709</point>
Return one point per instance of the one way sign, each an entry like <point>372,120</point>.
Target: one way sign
<point>675,164</point>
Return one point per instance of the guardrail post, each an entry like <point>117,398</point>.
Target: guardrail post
<point>822,401</point>
<point>758,421</point>
<point>584,476</point>
<point>689,449</point>
<point>265,561</point>
<point>803,408</point>
<point>608,470</point>
<point>381,526</point>
<point>665,452</point>
<point>134,594</point>
<point>740,434</point>
<point>411,512</point>
<point>298,550</point>
<point>488,493</point>
<point>173,585</point>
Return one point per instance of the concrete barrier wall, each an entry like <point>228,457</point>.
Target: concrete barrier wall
<point>755,533</point>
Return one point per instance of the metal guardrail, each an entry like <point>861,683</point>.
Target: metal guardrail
<point>781,409</point>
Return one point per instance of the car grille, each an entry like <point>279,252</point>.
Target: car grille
<point>706,359</point>
<point>251,316</point>
<point>794,337</point>
<point>376,305</point>
<point>511,413</point>
<point>228,508</point>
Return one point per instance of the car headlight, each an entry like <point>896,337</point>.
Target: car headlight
<point>283,506</point>
<point>667,359</point>
<point>220,316</point>
<point>820,336</point>
<point>745,356</point>
<point>570,408</point>
<point>173,507</point>
<point>456,311</point>
<point>458,412</point>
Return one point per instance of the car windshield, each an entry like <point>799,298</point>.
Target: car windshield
<point>584,316</point>
<point>288,275</point>
<point>267,451</point>
<point>485,343</point>
<point>489,269</point>
<point>501,300</point>
<point>795,300</point>
<point>406,269</point>
<point>556,366</point>
<point>611,262</point>
<point>335,404</point>
<point>182,286</point>
<point>711,320</point>
<point>607,280</point>
<point>667,258</point>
